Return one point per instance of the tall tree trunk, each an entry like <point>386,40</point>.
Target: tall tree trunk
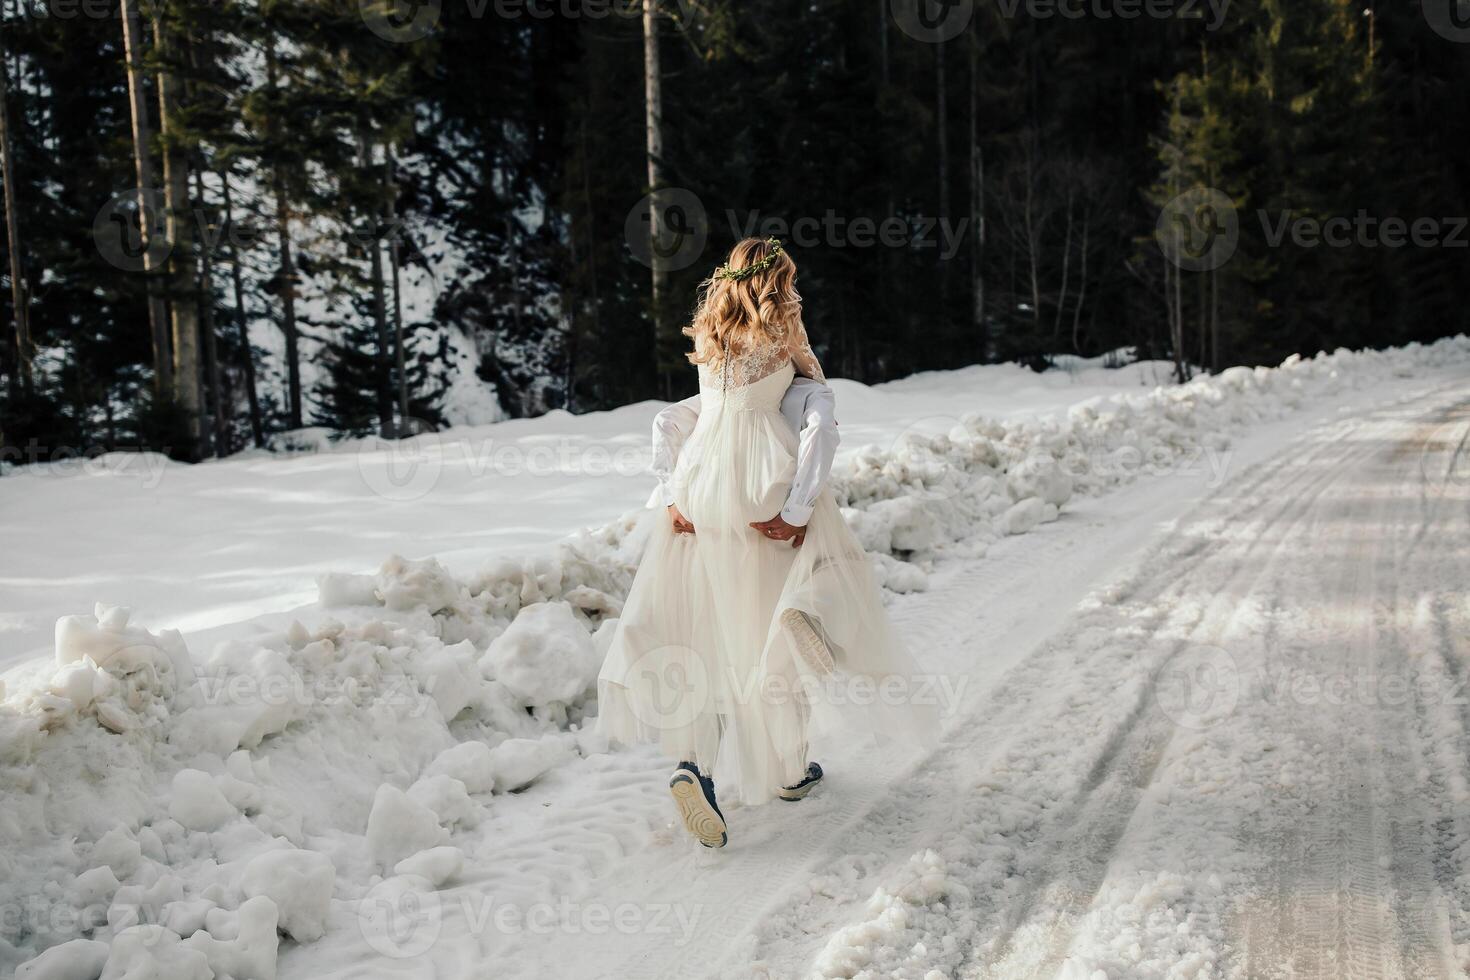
<point>1056,330</point>
<point>977,207</point>
<point>287,273</point>
<point>1033,246</point>
<point>883,15</point>
<point>400,355</point>
<point>184,281</point>
<point>1215,321</point>
<point>218,399</point>
<point>287,277</point>
<point>593,293</point>
<point>1202,297</point>
<point>1081,284</point>
<point>517,297</point>
<point>158,323</point>
<point>384,369</point>
<point>20,303</point>
<point>941,114</point>
<point>1176,326</point>
<point>886,257</point>
<point>653,105</point>
<point>941,121</point>
<point>242,325</point>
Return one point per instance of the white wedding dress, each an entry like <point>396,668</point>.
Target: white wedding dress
<point>700,660</point>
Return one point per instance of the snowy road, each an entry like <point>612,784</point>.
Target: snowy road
<point>1245,757</point>
<point>1255,765</point>
<point>1202,734</point>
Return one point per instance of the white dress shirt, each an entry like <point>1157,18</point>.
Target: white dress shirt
<point>808,406</point>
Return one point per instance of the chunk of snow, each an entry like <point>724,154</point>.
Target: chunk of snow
<point>437,864</point>
<point>899,576</point>
<point>197,802</point>
<point>252,947</point>
<point>1024,516</point>
<point>472,763</point>
<point>518,762</point>
<point>93,886</point>
<point>344,589</point>
<point>448,798</point>
<point>80,959</point>
<point>545,655</point>
<point>398,827</point>
<point>187,917</point>
<point>300,884</point>
<point>119,850</point>
<point>109,642</point>
<point>426,584</point>
<point>139,904</point>
<point>911,525</point>
<point>1040,475</point>
<point>449,677</point>
<point>151,952</point>
<point>81,682</point>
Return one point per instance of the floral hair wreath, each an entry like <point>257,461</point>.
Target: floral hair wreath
<point>735,275</point>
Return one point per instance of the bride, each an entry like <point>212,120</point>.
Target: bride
<point>743,632</point>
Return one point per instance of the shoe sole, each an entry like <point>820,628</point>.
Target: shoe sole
<point>797,793</point>
<point>700,819</point>
<point>809,642</point>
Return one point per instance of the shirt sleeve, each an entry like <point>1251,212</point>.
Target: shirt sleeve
<point>816,450</point>
<point>802,356</point>
<point>671,427</point>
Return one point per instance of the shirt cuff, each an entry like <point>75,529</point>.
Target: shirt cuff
<point>796,515</point>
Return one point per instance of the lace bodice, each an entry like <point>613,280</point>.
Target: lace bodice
<point>743,368</point>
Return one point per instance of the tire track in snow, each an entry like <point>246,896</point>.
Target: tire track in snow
<point>1120,767</point>
<point>1051,919</point>
<point>1356,929</point>
<point>1357,887</point>
<point>1439,745</point>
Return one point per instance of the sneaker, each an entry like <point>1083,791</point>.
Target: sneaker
<point>694,795</point>
<point>807,636</point>
<point>798,792</point>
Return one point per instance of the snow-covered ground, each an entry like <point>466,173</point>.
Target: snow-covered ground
<point>198,547</point>
<point>1177,743</point>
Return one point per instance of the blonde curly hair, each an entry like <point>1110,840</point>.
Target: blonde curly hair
<point>746,312</point>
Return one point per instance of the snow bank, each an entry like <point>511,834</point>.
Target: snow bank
<point>171,814</point>
<point>928,495</point>
<point>268,787</point>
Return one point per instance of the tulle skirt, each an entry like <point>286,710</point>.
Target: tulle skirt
<point>701,661</point>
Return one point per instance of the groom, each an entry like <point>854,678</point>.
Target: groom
<point>809,407</point>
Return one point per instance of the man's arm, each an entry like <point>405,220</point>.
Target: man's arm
<point>671,427</point>
<point>816,450</point>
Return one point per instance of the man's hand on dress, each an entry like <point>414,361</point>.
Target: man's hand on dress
<point>778,530</point>
<point>681,523</point>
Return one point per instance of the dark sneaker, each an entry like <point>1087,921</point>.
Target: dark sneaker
<point>810,643</point>
<point>694,795</point>
<point>799,791</point>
